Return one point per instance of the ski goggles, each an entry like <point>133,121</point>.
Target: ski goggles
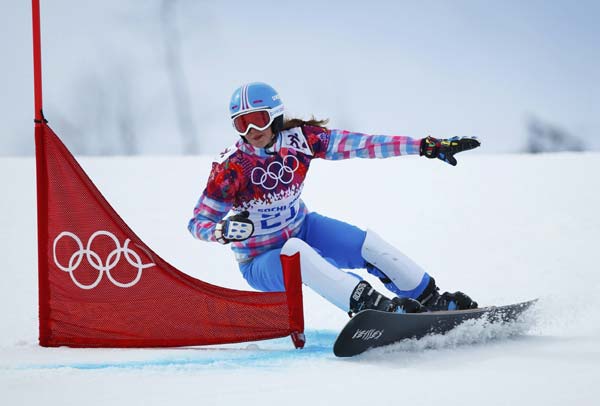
<point>258,119</point>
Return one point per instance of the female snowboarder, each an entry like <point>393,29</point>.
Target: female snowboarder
<point>260,179</point>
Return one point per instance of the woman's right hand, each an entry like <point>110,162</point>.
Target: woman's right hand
<point>234,228</point>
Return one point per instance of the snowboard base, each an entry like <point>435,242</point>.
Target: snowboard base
<point>373,328</point>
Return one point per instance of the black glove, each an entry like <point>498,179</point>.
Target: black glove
<point>445,149</point>
<point>235,228</point>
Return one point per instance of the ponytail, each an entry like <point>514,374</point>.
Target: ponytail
<point>281,124</point>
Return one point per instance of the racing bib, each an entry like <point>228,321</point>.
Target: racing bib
<point>274,216</point>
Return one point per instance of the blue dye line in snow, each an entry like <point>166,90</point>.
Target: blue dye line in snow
<point>319,343</point>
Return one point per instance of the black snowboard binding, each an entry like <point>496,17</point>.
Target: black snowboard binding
<point>433,301</point>
<point>365,297</point>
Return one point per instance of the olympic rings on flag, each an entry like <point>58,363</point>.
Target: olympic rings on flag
<point>96,262</point>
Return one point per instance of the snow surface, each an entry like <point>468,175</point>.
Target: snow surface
<point>503,228</point>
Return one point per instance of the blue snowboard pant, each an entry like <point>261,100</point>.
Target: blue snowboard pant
<point>338,242</point>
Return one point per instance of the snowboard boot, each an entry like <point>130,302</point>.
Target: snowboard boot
<point>433,301</point>
<point>365,297</point>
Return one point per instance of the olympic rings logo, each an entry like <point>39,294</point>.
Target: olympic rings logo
<point>276,172</point>
<point>95,261</point>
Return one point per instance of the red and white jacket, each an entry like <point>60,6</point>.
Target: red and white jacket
<point>268,182</point>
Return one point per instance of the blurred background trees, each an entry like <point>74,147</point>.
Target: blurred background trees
<point>546,137</point>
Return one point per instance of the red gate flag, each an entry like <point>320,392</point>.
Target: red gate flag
<point>101,286</point>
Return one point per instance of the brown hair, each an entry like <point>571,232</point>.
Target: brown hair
<point>297,122</point>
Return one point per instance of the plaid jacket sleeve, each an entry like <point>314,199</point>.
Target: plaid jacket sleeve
<point>345,144</point>
<point>207,213</point>
<point>216,200</point>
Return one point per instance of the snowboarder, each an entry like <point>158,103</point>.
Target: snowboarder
<point>260,179</point>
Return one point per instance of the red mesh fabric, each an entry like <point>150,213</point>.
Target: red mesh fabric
<point>101,286</point>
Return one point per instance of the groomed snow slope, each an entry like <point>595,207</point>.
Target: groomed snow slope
<point>503,228</point>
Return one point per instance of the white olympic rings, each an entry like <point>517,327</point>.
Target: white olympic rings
<point>276,172</point>
<point>95,261</point>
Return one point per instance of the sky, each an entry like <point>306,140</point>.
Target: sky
<point>416,68</point>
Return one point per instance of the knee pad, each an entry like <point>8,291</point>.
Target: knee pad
<point>400,269</point>
<point>327,280</point>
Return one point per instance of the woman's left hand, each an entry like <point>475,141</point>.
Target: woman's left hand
<point>446,148</point>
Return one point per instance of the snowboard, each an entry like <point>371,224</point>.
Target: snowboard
<point>374,328</point>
